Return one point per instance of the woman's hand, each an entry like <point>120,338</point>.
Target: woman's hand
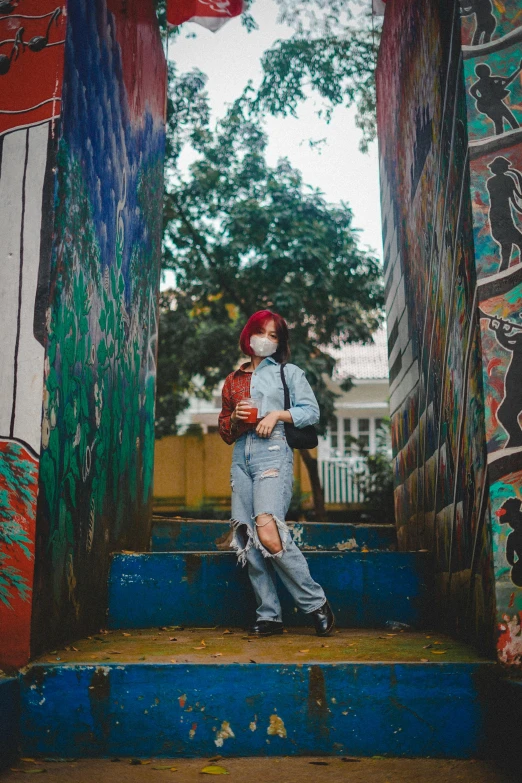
<point>266,425</point>
<point>240,412</point>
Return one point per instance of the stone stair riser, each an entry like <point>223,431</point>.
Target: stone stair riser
<point>252,710</point>
<point>211,589</point>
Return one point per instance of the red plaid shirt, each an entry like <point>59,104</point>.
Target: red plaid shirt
<point>235,388</point>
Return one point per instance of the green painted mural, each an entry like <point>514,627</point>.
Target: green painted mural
<point>492,69</point>
<point>437,397</point>
<point>96,464</point>
<point>452,177</point>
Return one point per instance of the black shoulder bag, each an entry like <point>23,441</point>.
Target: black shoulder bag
<point>297,437</point>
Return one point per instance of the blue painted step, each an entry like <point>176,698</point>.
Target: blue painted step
<point>210,588</point>
<point>256,710</point>
<point>9,717</point>
<point>170,535</point>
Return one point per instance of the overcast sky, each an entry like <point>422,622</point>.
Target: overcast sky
<point>230,58</point>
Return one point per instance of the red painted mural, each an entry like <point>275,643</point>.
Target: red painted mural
<point>32,44</point>
<point>32,34</point>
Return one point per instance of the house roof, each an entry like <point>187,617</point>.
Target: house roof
<point>362,361</point>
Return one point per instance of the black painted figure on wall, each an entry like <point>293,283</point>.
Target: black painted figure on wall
<point>510,513</point>
<point>509,336</point>
<point>489,93</point>
<point>485,21</point>
<point>505,191</point>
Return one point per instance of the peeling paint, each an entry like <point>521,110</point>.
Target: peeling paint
<point>276,727</point>
<point>192,732</point>
<point>182,700</point>
<point>510,640</point>
<point>252,725</point>
<point>347,545</point>
<point>225,732</point>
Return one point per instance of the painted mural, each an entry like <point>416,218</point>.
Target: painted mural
<point>491,37</point>
<point>32,36</point>
<point>96,464</point>
<point>434,333</point>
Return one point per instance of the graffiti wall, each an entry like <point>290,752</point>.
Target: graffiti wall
<point>96,462</point>
<point>491,48</point>
<point>437,396</point>
<point>32,36</point>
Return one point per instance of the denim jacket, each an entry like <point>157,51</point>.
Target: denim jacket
<point>265,384</point>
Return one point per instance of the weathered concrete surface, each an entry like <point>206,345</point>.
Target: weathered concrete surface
<point>266,770</point>
<point>231,645</point>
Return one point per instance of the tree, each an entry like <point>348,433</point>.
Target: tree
<point>332,54</point>
<point>243,236</point>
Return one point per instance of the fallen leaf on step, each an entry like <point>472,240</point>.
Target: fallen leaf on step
<point>76,649</point>
<point>349,758</point>
<point>173,660</point>
<point>438,652</point>
<point>214,770</point>
<point>198,648</point>
<point>424,660</point>
<point>427,646</point>
<point>252,660</point>
<point>325,645</point>
<point>137,762</point>
<point>165,766</point>
<point>125,634</point>
<point>305,651</point>
<point>227,631</point>
<point>116,652</point>
<point>202,643</point>
<point>216,655</point>
<point>215,758</point>
<point>172,639</point>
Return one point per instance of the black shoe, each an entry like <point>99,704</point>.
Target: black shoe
<point>324,620</point>
<point>265,628</point>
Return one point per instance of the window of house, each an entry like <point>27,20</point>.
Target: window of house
<point>363,436</point>
<point>347,436</point>
<point>334,438</point>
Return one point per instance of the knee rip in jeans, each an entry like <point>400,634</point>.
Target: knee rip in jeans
<point>242,540</point>
<point>282,529</point>
<point>269,473</point>
<point>274,448</point>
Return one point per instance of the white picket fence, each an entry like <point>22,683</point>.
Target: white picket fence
<point>341,480</point>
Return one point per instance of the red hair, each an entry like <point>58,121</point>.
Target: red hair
<point>256,322</point>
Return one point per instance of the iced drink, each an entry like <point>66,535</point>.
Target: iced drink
<point>253,412</point>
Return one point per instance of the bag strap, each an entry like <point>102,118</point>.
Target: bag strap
<point>287,393</point>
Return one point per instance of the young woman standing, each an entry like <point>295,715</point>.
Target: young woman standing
<point>262,472</point>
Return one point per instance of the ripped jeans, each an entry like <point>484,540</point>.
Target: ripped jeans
<point>262,479</point>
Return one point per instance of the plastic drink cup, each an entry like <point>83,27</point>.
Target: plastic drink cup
<point>253,404</point>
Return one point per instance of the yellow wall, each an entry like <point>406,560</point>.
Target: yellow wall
<point>191,470</point>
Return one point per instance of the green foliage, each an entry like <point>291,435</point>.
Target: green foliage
<point>378,484</point>
<point>332,54</point>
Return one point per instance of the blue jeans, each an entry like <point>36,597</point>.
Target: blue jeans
<point>261,479</point>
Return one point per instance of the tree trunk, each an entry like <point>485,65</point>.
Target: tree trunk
<point>313,472</point>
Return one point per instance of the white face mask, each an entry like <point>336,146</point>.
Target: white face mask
<point>262,346</point>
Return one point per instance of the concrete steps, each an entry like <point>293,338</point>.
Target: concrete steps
<point>210,588</point>
<point>358,693</point>
<point>187,535</point>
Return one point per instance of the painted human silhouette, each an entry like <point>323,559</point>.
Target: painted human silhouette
<point>489,93</point>
<point>485,21</point>
<point>509,336</point>
<point>510,513</point>
<point>505,189</point>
